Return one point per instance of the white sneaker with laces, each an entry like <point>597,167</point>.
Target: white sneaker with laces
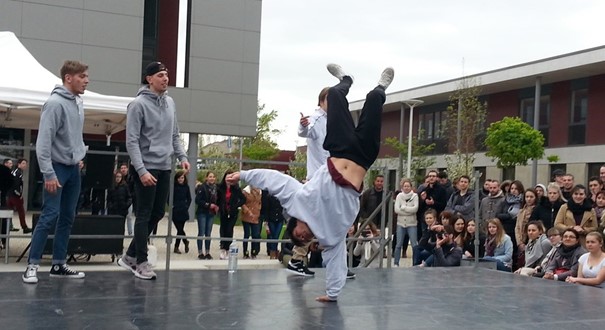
<point>337,71</point>
<point>145,271</point>
<point>30,276</point>
<point>386,77</point>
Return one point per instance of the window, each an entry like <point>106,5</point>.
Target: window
<point>430,127</point>
<point>594,169</point>
<point>527,114</point>
<point>577,122</point>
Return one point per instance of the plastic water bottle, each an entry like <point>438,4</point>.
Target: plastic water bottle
<point>233,251</point>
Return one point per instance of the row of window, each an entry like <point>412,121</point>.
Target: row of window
<point>431,124</point>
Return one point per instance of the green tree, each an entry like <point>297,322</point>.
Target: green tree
<point>298,168</point>
<point>465,127</point>
<point>513,142</point>
<point>214,160</point>
<point>261,146</point>
<point>420,158</point>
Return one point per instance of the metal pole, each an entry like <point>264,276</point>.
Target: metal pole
<point>477,223</point>
<point>400,170</point>
<point>458,125</point>
<point>169,224</point>
<point>534,163</point>
<point>409,161</point>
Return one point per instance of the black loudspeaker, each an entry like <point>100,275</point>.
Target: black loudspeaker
<point>92,225</point>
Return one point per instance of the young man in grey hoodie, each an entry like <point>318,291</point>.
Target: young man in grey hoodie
<point>59,149</point>
<point>152,137</point>
<point>325,207</point>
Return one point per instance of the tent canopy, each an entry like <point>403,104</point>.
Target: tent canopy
<point>26,85</point>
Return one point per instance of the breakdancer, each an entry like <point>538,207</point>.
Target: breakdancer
<point>325,207</point>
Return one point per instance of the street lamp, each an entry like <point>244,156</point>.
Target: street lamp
<point>411,103</point>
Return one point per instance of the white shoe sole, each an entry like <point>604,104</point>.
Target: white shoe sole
<point>125,266</point>
<point>79,276</point>
<point>30,280</point>
<point>299,273</point>
<point>139,275</point>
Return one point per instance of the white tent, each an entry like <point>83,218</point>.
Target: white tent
<point>26,85</point>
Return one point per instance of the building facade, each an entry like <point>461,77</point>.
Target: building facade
<point>572,105</point>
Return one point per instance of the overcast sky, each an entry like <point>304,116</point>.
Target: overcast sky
<point>426,42</point>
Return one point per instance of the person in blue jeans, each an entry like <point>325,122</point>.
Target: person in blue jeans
<point>59,149</point>
<point>205,199</point>
<point>272,214</point>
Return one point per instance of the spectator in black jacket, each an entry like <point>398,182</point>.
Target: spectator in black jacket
<point>180,208</point>
<point>272,214</point>
<point>548,209</point>
<point>118,197</point>
<point>446,253</point>
<point>230,198</point>
<point>432,196</point>
<point>426,244</point>
<point>469,244</point>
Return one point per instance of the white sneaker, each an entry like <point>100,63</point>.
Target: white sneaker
<point>223,255</point>
<point>30,275</point>
<point>127,262</point>
<point>386,77</point>
<point>337,71</point>
<point>145,271</point>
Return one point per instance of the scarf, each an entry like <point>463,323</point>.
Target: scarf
<point>407,197</point>
<point>515,204</point>
<point>211,192</point>
<point>599,211</point>
<point>490,246</point>
<point>579,209</point>
<point>566,252</point>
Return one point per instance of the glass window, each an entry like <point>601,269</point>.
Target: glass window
<point>527,115</point>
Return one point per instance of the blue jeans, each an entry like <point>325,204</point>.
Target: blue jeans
<point>58,213</point>
<point>420,255</point>
<point>204,229</point>
<point>412,233</point>
<point>275,229</point>
<point>501,266</point>
<point>251,229</point>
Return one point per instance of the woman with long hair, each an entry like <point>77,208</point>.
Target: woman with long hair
<point>469,243</point>
<point>207,207</point>
<point>406,206</point>
<point>536,249</point>
<point>180,208</point>
<point>546,210</point>
<point>564,262</point>
<point>230,198</point>
<point>118,197</point>
<point>250,220</point>
<point>498,246</point>
<point>529,203</point>
<point>460,234</point>
<point>591,265</point>
<point>578,214</point>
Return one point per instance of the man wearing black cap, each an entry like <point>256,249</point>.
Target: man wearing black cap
<point>152,137</point>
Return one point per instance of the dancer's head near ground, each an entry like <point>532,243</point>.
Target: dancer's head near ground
<point>299,232</point>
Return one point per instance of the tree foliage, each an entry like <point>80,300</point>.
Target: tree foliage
<point>298,168</point>
<point>420,158</point>
<point>513,142</point>
<point>261,146</point>
<point>465,127</point>
<point>214,160</point>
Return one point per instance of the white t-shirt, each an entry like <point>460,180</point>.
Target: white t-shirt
<point>587,272</point>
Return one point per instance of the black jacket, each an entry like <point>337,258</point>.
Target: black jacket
<point>447,256</point>
<point>181,202</point>
<point>271,209</point>
<point>118,200</point>
<point>17,188</point>
<point>204,196</point>
<point>469,245</point>
<point>230,209</point>
<point>546,212</point>
<point>439,196</point>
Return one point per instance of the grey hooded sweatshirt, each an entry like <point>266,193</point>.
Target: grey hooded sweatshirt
<point>60,131</point>
<point>152,132</point>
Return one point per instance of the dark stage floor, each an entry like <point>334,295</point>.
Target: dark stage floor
<point>437,298</point>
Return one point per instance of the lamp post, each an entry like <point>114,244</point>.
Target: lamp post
<point>400,169</point>
<point>411,103</point>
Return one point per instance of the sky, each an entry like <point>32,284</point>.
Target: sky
<point>425,42</point>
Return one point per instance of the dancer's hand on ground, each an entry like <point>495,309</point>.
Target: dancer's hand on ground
<point>324,299</point>
<point>232,178</point>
